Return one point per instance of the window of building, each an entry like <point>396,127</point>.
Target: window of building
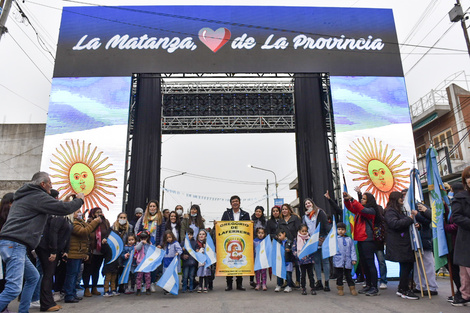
<point>421,151</point>
<point>443,139</point>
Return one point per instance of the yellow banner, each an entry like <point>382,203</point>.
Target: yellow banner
<point>235,256</point>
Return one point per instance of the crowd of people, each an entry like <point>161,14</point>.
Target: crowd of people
<point>49,247</point>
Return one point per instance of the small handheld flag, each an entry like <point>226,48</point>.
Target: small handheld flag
<point>211,258</point>
<point>278,260</point>
<point>330,245</point>
<point>169,280</point>
<point>200,257</point>
<point>263,253</point>
<point>311,246</point>
<point>151,261</point>
<point>127,269</point>
<point>116,245</point>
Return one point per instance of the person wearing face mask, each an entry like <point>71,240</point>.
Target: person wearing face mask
<point>179,211</point>
<point>195,221</point>
<point>123,228</point>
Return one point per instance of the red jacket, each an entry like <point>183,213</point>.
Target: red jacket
<point>361,216</point>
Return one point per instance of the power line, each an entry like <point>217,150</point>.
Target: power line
<point>36,105</point>
<point>39,48</point>
<point>30,59</point>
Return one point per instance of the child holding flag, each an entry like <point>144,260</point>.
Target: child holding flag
<point>344,259</point>
<point>126,253</point>
<point>260,274</point>
<point>140,250</point>
<point>306,263</point>
<point>203,272</point>
<point>287,246</point>
<point>189,263</point>
<point>110,270</point>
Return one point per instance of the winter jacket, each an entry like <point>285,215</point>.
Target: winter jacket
<point>28,214</point>
<point>108,254</point>
<point>425,219</point>
<point>171,249</point>
<point>105,230</point>
<point>156,237</point>
<point>398,236</point>
<point>290,227</point>
<point>272,226</point>
<point>190,261</point>
<point>125,250</point>
<point>258,222</point>
<point>185,225</point>
<point>322,219</point>
<point>461,217</point>
<point>288,255</point>
<point>346,253</point>
<point>56,236</point>
<point>228,215</point>
<point>79,240</point>
<point>363,230</point>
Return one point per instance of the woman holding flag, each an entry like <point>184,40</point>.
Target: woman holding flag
<point>365,214</point>
<point>399,242</point>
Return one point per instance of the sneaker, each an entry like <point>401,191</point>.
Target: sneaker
<point>459,301</point>
<point>34,305</point>
<point>204,290</point>
<point>409,295</point>
<point>107,294</point>
<point>153,287</point>
<point>115,293</point>
<point>364,290</point>
<point>277,289</point>
<point>383,286</point>
<point>372,292</point>
<point>304,291</point>
<point>199,290</point>
<point>252,284</point>
<point>313,292</point>
<point>58,296</point>
<point>297,285</point>
<point>399,292</point>
<point>284,285</point>
<point>288,289</point>
<point>318,285</point>
<point>450,299</point>
<point>128,291</point>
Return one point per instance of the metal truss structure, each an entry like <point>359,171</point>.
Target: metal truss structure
<point>231,103</point>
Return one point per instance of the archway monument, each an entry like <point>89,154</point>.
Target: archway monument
<point>110,81</point>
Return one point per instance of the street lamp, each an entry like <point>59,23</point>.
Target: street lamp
<point>163,189</point>
<point>267,184</point>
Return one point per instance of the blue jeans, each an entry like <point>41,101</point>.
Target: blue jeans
<point>382,266</point>
<point>188,273</point>
<point>288,279</point>
<point>319,261</point>
<point>37,290</point>
<point>73,269</point>
<point>18,266</point>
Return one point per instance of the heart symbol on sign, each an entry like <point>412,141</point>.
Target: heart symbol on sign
<point>214,40</point>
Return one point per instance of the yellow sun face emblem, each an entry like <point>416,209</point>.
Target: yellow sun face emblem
<point>79,170</point>
<point>378,168</point>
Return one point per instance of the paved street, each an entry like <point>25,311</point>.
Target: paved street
<point>258,301</point>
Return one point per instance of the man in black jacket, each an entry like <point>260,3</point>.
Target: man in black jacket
<point>235,214</point>
<point>22,231</point>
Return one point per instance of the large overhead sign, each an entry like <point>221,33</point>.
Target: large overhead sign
<point>119,41</point>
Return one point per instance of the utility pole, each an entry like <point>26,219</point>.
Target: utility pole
<point>5,6</point>
<point>456,15</point>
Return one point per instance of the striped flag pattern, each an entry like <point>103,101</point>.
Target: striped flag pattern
<point>116,245</point>
<point>329,247</point>
<point>311,246</point>
<point>278,260</point>
<point>127,269</point>
<point>263,254</point>
<point>211,257</point>
<point>151,261</point>
<point>169,280</point>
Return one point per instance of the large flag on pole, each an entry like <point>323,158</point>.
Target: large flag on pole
<point>330,245</point>
<point>200,257</point>
<point>169,280</point>
<point>409,205</point>
<point>153,258</point>
<point>278,260</point>
<point>263,254</point>
<point>116,245</point>
<point>311,246</point>
<point>211,257</point>
<point>127,269</point>
<point>438,193</point>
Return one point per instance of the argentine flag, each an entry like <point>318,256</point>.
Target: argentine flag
<point>151,261</point>
<point>169,280</point>
<point>263,254</point>
<point>278,260</point>
<point>200,257</point>
<point>330,245</point>
<point>210,251</point>
<point>311,246</point>
<point>127,269</point>
<point>116,245</point>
